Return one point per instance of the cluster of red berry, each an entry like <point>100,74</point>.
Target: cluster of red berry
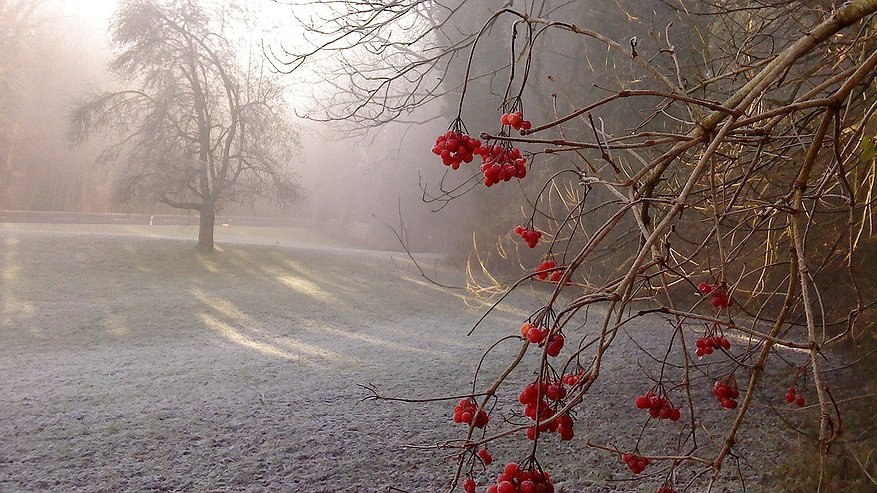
<point>513,479</point>
<point>791,396</point>
<point>666,489</point>
<point>533,334</point>
<point>456,147</point>
<point>538,334</point>
<point>500,163</point>
<point>539,408</point>
<point>658,406</point>
<point>516,121</point>
<point>467,410</point>
<point>555,344</point>
<point>635,463</point>
<point>544,267</point>
<point>556,276</point>
<point>555,391</point>
<point>726,394</point>
<point>564,427</point>
<point>531,236</point>
<point>706,345</point>
<point>572,379</point>
<point>721,298</point>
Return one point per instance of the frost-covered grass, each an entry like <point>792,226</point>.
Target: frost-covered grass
<point>129,362</point>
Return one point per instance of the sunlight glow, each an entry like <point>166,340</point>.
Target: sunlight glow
<point>235,336</point>
<point>10,274</point>
<point>307,288</point>
<point>271,344</point>
<point>384,343</point>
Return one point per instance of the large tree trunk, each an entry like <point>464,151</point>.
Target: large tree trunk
<point>206,219</point>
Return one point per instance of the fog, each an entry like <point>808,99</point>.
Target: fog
<point>354,183</point>
<point>364,170</point>
<point>231,259</point>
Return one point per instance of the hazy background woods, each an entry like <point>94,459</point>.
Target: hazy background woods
<point>356,176</point>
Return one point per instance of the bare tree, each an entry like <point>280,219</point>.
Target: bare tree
<point>198,127</point>
<point>736,174</point>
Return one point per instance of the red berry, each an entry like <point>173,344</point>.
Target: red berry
<point>544,267</point>
<point>554,345</point>
<point>642,402</point>
<point>566,433</point>
<point>506,487</point>
<point>564,421</point>
<point>527,487</point>
<point>535,335</point>
<point>485,456</point>
<point>705,287</point>
<point>469,485</point>
<point>515,119</point>
<point>531,236</point>
<point>800,401</point>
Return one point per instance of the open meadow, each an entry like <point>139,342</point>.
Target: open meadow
<point>130,362</point>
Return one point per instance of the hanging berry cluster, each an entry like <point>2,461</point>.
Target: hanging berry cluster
<point>555,344</point>
<point>516,121</point>
<point>557,275</point>
<point>726,394</point>
<point>635,463</point>
<point>501,162</point>
<point>791,396</point>
<point>467,410</point>
<point>533,334</point>
<point>542,272</point>
<point>720,296</point>
<point>514,479</point>
<point>572,378</point>
<point>659,406</point>
<point>535,399</point>
<point>707,344</point>
<point>455,147</point>
<point>530,235</point>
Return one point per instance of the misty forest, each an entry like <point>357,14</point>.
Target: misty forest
<point>492,246</point>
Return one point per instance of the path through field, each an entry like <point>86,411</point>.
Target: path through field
<point>130,363</point>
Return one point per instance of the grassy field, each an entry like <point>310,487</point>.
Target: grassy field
<point>129,362</point>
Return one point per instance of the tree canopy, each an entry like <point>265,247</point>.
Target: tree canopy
<point>198,124</point>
